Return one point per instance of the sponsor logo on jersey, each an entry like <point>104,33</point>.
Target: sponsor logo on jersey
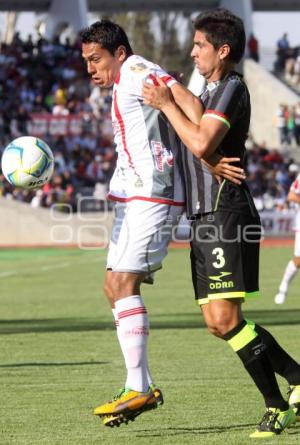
<point>138,182</point>
<point>258,349</point>
<point>223,285</point>
<point>218,282</point>
<point>139,67</point>
<point>219,277</point>
<point>161,155</point>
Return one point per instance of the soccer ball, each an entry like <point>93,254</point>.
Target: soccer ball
<point>27,162</point>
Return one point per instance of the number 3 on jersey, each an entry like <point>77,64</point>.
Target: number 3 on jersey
<point>220,260</point>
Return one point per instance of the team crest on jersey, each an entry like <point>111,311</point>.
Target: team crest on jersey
<point>139,67</point>
<point>161,156</point>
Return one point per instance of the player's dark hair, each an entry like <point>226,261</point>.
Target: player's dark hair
<point>222,27</point>
<point>108,35</point>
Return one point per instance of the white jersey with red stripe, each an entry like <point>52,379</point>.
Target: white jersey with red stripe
<point>148,148</point>
<point>295,188</point>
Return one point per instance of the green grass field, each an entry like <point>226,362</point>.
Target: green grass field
<point>60,357</point>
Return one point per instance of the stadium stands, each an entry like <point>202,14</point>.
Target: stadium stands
<point>287,63</point>
<point>45,92</point>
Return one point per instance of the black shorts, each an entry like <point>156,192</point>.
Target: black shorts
<point>225,256</point>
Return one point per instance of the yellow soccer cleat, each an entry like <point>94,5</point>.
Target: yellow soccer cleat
<point>116,420</point>
<point>294,399</point>
<point>157,394</point>
<point>129,404</point>
<point>274,422</point>
<point>127,401</point>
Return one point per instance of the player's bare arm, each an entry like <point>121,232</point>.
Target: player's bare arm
<point>188,109</point>
<point>293,197</point>
<point>203,139</point>
<point>187,102</point>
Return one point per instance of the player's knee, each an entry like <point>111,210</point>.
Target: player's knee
<point>124,284</point>
<point>221,324</point>
<point>297,261</point>
<point>212,329</point>
<point>117,284</point>
<point>114,284</point>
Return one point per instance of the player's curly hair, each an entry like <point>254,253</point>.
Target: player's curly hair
<point>108,35</point>
<point>222,27</point>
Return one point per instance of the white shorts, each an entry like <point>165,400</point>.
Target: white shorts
<point>140,236</point>
<point>297,244</point>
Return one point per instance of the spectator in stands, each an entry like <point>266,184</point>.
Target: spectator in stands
<point>297,123</point>
<point>28,45</point>
<point>274,158</point>
<point>16,41</point>
<point>253,48</point>
<point>283,46</point>
<point>94,171</point>
<point>60,162</point>
<point>296,78</point>
<point>291,127</point>
<point>22,118</point>
<point>258,199</point>
<point>37,199</point>
<point>60,100</point>
<point>282,118</point>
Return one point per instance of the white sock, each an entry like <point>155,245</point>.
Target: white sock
<point>117,324</point>
<point>133,334</point>
<point>115,314</point>
<point>289,274</point>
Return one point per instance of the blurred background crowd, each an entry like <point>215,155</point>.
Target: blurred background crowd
<point>287,63</point>
<point>45,81</point>
<point>269,176</point>
<point>48,79</point>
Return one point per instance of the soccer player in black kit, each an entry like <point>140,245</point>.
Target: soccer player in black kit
<point>225,223</point>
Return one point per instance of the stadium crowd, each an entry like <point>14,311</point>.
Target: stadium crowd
<point>288,124</point>
<point>269,176</point>
<point>48,79</point>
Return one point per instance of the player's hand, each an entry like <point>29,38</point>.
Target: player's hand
<point>223,168</point>
<point>157,96</point>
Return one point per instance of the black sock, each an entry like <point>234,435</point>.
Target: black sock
<point>252,351</point>
<point>281,361</point>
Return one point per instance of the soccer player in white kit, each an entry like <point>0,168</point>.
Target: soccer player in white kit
<point>294,264</point>
<point>148,191</point>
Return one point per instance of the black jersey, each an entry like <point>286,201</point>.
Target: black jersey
<point>227,100</point>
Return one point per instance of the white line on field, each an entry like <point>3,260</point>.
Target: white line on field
<point>7,274</point>
<point>54,266</point>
